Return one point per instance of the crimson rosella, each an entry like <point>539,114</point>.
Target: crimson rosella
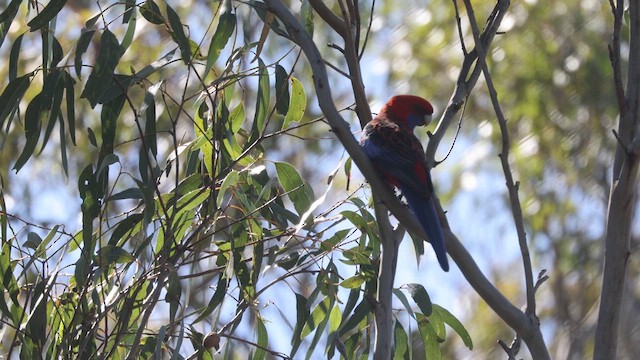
<point>389,142</point>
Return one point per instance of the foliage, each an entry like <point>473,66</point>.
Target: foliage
<point>192,221</point>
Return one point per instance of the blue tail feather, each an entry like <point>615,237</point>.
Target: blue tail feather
<point>425,211</point>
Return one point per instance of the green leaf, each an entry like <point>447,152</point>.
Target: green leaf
<point>297,105</point>
<point>319,315</point>
<point>13,57</point>
<point>429,338</point>
<point>236,118</point>
<point>111,254</point>
<point>306,15</point>
<point>262,103</point>
<point>54,86</point>
<point>226,25</point>
<point>102,74</point>
<point>71,113</point>
<point>33,240</point>
<point>282,90</point>
<point>294,186</point>
<point>33,120</point>
<point>109,121</point>
<point>353,282</point>
<point>455,324</point>
<point>421,297</point>
<point>49,12</point>
<point>335,319</point>
<point>41,249</point>
<point>263,340</point>
<point>92,137</point>
<point>151,12</point>
<point>131,13</point>
<point>81,48</point>
<point>174,290</point>
<point>403,299</point>
<point>229,181</point>
<point>127,227</point>
<point>359,313</point>
<point>6,18</point>
<point>178,35</point>
<point>401,343</point>
<point>200,125</point>
<point>216,299</point>
<point>11,96</point>
<point>56,50</point>
<point>302,315</point>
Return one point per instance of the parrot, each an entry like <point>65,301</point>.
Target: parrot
<point>389,142</point>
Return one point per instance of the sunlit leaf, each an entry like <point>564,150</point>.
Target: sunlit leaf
<point>263,340</point>
<point>429,338</point>
<point>455,324</point>
<point>297,105</point>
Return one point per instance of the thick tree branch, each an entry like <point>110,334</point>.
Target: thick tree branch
<point>541,350</point>
<point>507,311</point>
<point>622,198</point>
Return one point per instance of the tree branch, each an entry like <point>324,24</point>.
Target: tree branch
<point>622,198</point>
<point>541,350</point>
<point>469,74</point>
<point>507,311</point>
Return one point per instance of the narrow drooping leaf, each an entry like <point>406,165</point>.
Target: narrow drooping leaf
<point>54,87</point>
<point>302,314</point>
<point>178,35</point>
<point>282,90</point>
<point>81,48</point>
<point>6,18</point>
<point>102,74</point>
<point>293,184</point>
<point>262,102</point>
<point>263,340</point>
<point>49,12</point>
<point>13,57</point>
<point>455,324</point>
<point>56,50</point>
<point>131,14</point>
<point>401,343</point>
<point>109,120</point>
<point>71,112</point>
<point>226,25</point>
<point>12,95</point>
<point>306,15</point>
<point>33,123</point>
